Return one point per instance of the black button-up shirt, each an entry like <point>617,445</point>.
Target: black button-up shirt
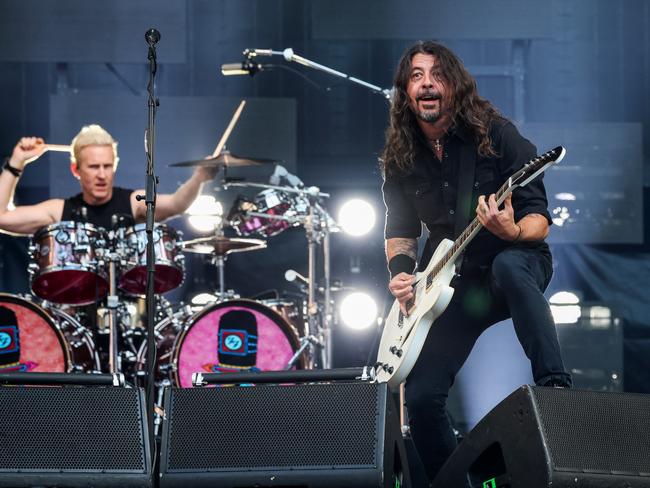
<point>428,194</point>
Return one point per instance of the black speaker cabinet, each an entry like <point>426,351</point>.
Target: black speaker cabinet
<point>73,436</point>
<point>553,437</point>
<point>306,435</point>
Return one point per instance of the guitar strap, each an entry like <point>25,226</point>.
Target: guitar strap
<point>464,200</point>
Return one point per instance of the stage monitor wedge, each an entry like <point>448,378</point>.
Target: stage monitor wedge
<point>542,437</point>
<point>340,434</point>
<point>73,437</point>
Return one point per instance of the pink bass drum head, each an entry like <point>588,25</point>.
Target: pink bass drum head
<point>237,335</point>
<point>29,340</point>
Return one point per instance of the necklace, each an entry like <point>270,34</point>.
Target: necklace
<point>437,146</point>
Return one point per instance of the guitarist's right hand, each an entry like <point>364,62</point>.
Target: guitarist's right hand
<point>401,286</point>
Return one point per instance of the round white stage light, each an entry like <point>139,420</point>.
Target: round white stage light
<point>357,217</point>
<point>564,298</point>
<point>358,310</point>
<point>205,213</point>
<point>565,307</point>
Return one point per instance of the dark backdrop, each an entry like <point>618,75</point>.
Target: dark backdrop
<point>570,72</point>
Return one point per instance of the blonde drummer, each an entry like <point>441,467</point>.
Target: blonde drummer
<point>93,161</point>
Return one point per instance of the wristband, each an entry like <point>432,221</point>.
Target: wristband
<point>401,263</point>
<point>518,235</point>
<point>14,171</point>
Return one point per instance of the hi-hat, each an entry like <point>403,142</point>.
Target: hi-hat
<point>226,158</point>
<point>221,245</point>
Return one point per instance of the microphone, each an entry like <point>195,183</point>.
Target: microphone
<point>246,67</point>
<point>291,275</point>
<point>250,53</point>
<point>294,181</point>
<point>152,36</point>
<point>279,172</point>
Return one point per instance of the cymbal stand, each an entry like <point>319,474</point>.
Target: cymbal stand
<point>112,304</point>
<point>220,262</point>
<point>318,226</point>
<point>327,306</point>
<point>312,306</point>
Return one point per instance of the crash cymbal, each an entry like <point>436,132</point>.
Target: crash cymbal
<point>221,245</point>
<point>226,158</point>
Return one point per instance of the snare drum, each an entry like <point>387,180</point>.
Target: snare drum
<point>271,202</point>
<point>231,336</point>
<point>66,263</point>
<point>170,262</point>
<point>38,339</point>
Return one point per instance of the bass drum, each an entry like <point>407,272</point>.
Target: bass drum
<point>38,339</point>
<point>230,336</point>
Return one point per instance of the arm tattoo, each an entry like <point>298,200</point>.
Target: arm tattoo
<point>401,245</point>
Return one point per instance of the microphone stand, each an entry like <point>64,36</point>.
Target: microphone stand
<point>152,36</point>
<point>290,56</point>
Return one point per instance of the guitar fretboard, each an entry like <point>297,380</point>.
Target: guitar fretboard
<point>535,165</point>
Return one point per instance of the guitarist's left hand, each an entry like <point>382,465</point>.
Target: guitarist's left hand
<point>500,222</point>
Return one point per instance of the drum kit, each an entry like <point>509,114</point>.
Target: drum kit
<point>89,282</point>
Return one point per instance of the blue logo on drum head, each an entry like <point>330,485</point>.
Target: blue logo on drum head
<point>5,340</point>
<point>233,342</point>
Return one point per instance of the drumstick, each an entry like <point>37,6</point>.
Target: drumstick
<point>58,147</point>
<point>229,129</point>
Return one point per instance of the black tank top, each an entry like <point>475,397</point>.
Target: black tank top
<point>100,215</point>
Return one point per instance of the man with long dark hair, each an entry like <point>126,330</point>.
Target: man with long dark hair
<point>446,145</point>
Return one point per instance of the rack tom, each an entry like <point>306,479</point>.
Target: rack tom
<point>67,263</point>
<point>169,260</point>
<point>275,211</point>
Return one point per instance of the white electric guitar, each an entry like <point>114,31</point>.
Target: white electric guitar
<point>403,337</point>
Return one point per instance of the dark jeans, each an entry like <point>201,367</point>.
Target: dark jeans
<point>512,287</point>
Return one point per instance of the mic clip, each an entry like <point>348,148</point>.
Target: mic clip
<point>251,66</point>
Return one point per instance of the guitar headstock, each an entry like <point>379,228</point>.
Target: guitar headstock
<point>536,165</point>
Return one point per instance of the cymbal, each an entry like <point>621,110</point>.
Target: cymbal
<point>226,158</point>
<point>221,245</point>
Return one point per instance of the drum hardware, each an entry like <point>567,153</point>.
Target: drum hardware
<point>158,409</point>
<point>115,365</point>
<point>318,225</point>
<point>68,258</point>
<point>219,247</point>
<point>305,342</point>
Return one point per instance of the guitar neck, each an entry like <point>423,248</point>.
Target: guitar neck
<point>467,235</point>
<point>521,178</point>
